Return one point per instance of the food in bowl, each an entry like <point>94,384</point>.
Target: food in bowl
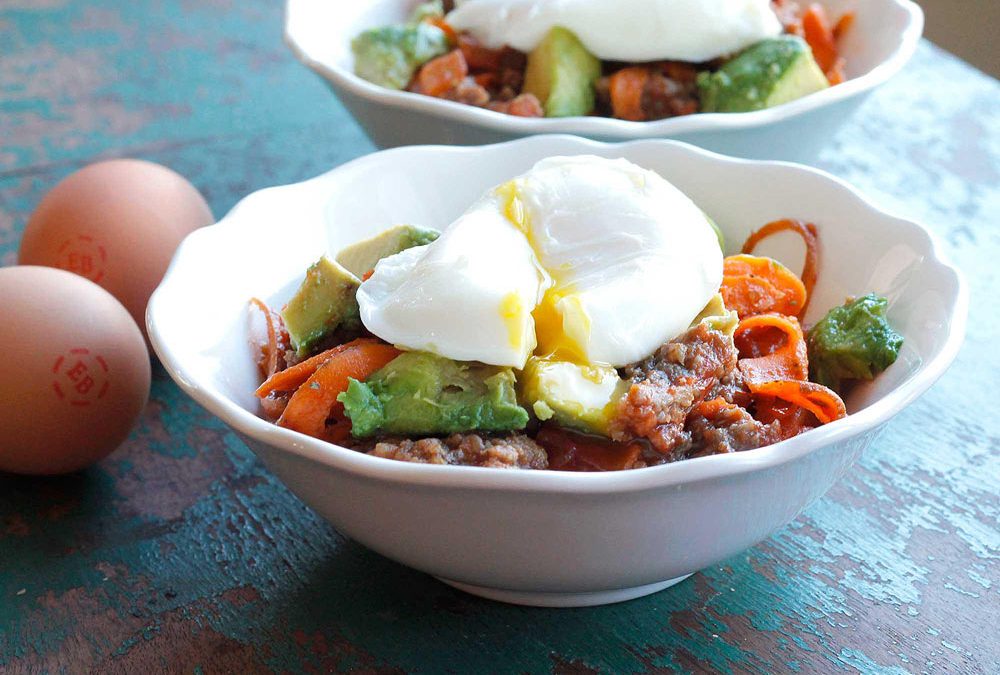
<point>639,60</point>
<point>580,316</point>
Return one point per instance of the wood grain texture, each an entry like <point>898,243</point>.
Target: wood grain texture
<point>180,552</point>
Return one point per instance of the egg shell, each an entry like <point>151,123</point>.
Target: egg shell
<point>116,223</point>
<point>75,374</point>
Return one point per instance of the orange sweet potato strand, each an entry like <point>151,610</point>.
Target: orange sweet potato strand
<point>817,399</point>
<point>268,361</point>
<point>787,361</point>
<point>627,86</point>
<point>315,401</point>
<point>809,237</point>
<point>792,419</point>
<point>819,35</point>
<point>755,285</point>
<point>836,74</point>
<point>843,25</point>
<point>441,74</point>
<point>292,378</point>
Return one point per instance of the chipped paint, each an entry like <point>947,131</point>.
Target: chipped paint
<point>181,550</point>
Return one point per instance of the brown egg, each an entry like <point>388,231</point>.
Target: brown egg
<point>74,375</point>
<point>116,223</point>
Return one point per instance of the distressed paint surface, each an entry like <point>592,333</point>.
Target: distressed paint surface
<point>181,552</point>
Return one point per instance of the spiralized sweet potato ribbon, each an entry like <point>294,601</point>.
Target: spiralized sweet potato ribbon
<point>819,35</point>
<point>439,75</point>
<point>811,239</point>
<point>758,285</point>
<point>627,86</point>
<point>269,363</point>
<point>785,360</point>
<point>792,419</point>
<point>824,403</point>
<point>314,404</point>
<point>292,378</point>
<point>843,25</point>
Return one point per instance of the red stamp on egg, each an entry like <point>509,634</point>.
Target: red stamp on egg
<point>84,256</point>
<point>80,377</point>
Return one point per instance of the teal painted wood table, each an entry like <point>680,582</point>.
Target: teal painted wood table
<point>180,552</point>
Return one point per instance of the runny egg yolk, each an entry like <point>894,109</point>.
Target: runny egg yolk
<point>512,310</point>
<point>562,324</point>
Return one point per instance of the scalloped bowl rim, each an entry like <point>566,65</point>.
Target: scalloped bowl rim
<point>610,127</point>
<point>687,471</point>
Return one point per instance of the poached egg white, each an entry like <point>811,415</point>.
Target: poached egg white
<point>591,260</point>
<point>624,30</point>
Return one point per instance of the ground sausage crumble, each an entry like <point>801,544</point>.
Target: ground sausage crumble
<point>515,451</point>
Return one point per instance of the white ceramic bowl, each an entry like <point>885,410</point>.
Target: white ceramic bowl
<point>879,44</point>
<point>546,537</point>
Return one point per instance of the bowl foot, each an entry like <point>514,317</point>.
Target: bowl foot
<point>542,599</point>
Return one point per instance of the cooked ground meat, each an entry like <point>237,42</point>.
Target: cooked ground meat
<point>732,389</point>
<point>509,452</point>
<point>671,92</point>
<point>729,428</point>
<point>468,92</point>
<point>668,384</point>
<point>512,66</point>
<point>525,105</point>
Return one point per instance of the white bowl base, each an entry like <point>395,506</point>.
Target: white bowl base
<point>542,599</point>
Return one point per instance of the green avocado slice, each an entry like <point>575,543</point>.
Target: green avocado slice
<point>325,301</point>
<point>424,394</point>
<point>766,74</point>
<point>361,257</point>
<point>561,73</point>
<point>390,55</point>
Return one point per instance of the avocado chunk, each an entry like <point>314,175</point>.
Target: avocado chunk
<point>361,257</point>
<point>766,74</point>
<point>580,397</point>
<point>390,55</point>
<point>852,342</point>
<point>325,301</point>
<point>561,73</point>
<point>718,317</point>
<point>420,394</point>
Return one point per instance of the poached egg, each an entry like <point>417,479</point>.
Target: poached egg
<point>590,260</point>
<point>624,30</point>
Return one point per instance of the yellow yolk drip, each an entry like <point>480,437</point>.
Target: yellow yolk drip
<point>512,311</point>
<point>514,208</point>
<point>562,324</point>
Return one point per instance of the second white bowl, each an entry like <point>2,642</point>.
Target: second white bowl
<point>881,41</point>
